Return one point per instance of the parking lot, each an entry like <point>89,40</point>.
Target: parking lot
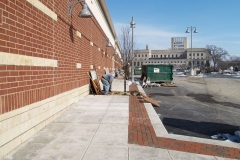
<point>199,106</point>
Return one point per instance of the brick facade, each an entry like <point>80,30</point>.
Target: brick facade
<point>39,55</point>
<point>25,30</point>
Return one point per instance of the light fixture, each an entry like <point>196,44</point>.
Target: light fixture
<point>84,13</point>
<point>109,43</point>
<point>195,31</point>
<point>132,25</point>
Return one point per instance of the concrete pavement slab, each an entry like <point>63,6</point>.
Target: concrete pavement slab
<point>117,113</point>
<point>77,128</point>
<point>55,127</point>
<point>148,153</point>
<point>118,109</point>
<point>113,128</point>
<point>88,119</point>
<point>80,139</point>
<point>106,153</point>
<point>27,151</point>
<point>110,139</point>
<point>64,152</point>
<point>66,117</point>
<point>176,155</point>
<point>44,137</point>
<point>115,120</point>
<point>123,99</point>
<point>93,113</point>
<point>123,105</point>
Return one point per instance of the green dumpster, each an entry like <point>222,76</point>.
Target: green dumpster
<point>138,71</point>
<point>158,73</point>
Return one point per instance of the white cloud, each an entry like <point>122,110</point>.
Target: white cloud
<point>155,38</point>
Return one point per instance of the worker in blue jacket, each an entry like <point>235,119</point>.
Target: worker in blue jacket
<point>107,82</point>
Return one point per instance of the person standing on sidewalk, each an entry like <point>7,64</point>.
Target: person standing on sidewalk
<point>107,82</point>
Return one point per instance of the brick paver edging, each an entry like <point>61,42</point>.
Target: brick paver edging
<point>141,132</point>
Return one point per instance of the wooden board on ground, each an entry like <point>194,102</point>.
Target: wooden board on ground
<point>152,101</point>
<point>168,85</point>
<point>136,93</point>
<point>95,83</point>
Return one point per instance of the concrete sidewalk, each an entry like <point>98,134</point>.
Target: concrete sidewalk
<point>96,128</point>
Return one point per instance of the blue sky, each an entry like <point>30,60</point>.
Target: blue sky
<point>217,22</point>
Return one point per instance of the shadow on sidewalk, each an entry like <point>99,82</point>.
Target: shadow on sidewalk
<point>197,129</point>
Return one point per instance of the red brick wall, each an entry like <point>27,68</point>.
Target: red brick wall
<point>25,30</point>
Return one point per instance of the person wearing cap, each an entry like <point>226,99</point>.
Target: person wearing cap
<point>107,82</point>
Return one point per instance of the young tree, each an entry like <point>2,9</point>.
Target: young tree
<point>217,54</point>
<point>125,41</point>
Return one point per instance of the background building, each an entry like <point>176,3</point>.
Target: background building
<point>179,58</point>
<point>44,59</point>
<point>179,43</point>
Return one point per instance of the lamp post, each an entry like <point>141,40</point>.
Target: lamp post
<point>195,31</point>
<point>132,25</point>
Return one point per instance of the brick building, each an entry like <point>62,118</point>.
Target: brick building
<point>44,59</point>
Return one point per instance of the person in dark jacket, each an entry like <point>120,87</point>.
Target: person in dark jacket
<point>107,82</point>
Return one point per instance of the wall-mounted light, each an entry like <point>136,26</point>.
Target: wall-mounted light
<point>109,43</point>
<point>84,13</point>
<point>115,54</point>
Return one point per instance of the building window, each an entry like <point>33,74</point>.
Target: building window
<point>190,54</point>
<point>197,54</point>
<point>193,54</point>
<point>137,63</point>
<point>145,55</point>
<point>164,56</point>
<point>139,55</point>
<point>142,55</point>
<point>134,63</point>
<point>201,54</point>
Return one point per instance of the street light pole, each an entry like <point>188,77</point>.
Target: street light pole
<point>132,25</point>
<point>195,31</point>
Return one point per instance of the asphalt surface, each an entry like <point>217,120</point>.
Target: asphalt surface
<point>199,106</point>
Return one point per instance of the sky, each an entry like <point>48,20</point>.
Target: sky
<point>157,21</point>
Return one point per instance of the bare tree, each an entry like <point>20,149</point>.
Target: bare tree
<point>125,42</point>
<point>217,54</point>
<point>234,61</point>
